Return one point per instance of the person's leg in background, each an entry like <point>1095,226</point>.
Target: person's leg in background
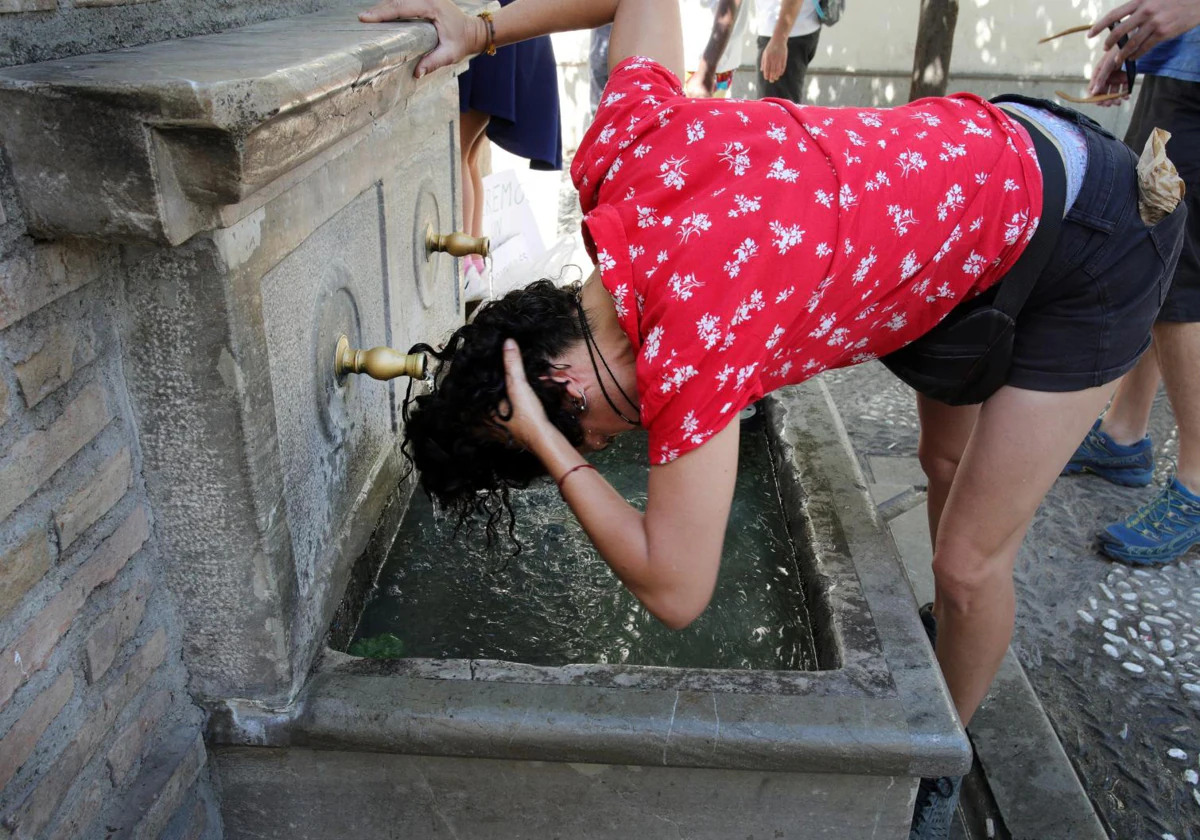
<point>1118,448</point>
<point>801,51</point>
<point>472,134</point>
<point>598,64</point>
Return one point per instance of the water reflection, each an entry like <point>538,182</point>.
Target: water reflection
<point>557,603</point>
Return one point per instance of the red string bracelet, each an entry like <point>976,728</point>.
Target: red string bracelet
<point>584,466</point>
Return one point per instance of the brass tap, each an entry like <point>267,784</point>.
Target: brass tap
<point>381,363</point>
<point>456,244</point>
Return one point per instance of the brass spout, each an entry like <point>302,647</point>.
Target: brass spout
<point>381,363</point>
<point>456,244</point>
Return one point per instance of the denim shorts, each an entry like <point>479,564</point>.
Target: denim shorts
<point>1089,316</point>
<point>1174,105</point>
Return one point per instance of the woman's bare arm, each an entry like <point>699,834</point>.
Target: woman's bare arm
<point>667,557</point>
<point>640,27</point>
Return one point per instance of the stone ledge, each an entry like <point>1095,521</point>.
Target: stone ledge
<point>148,143</point>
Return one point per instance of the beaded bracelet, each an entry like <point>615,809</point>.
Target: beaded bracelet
<point>490,49</point>
<point>584,466</point>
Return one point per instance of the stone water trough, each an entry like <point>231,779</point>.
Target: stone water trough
<point>494,749</point>
<point>274,188</point>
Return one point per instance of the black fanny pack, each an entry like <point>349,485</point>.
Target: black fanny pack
<point>967,357</point>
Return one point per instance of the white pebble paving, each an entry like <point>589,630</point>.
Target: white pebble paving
<point>1133,667</point>
<point>1192,776</point>
<point>1116,654</point>
<point>1177,753</point>
<point>1109,624</point>
<point>1086,616</point>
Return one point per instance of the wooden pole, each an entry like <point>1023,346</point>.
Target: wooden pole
<point>935,39</point>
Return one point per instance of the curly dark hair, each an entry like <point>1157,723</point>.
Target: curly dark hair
<point>451,436</point>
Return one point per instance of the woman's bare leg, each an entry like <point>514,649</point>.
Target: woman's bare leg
<point>471,127</point>
<point>1128,418</point>
<point>945,430</point>
<point>1020,443</point>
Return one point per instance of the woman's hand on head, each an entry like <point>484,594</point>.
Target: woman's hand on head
<point>459,35</point>
<point>527,421</point>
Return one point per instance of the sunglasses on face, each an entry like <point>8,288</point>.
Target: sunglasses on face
<point>1130,69</point>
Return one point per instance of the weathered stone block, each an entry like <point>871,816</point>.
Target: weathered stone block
<point>22,567</point>
<point>52,365</point>
<point>121,625</point>
<point>14,6</point>
<point>28,654</point>
<point>90,503</point>
<point>18,744</point>
<point>31,816</point>
<point>39,455</point>
<point>127,747</point>
<point>91,3</point>
<point>163,785</point>
<point>3,401</point>
<point>31,279</point>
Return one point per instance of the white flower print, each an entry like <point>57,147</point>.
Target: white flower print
<point>777,133</point>
<point>1032,229</point>
<point>647,217</point>
<point>619,294</point>
<point>850,159</point>
<point>902,218</point>
<point>824,198</point>
<point>613,97</point>
<point>866,313</point>
<point>950,151</point>
<point>864,267</point>
<point>675,378</point>
<point>815,130</point>
<point>898,322</point>
<point>823,249</point>
<point>846,198</point>
<point>928,119</point>
<point>813,366</point>
<point>784,295</point>
<point>969,127</point>
<point>952,201</point>
<point>641,150</point>
<point>672,172</point>
<point>708,328</point>
<point>847,246</point>
<point>725,408</point>
<point>667,221</point>
<point>784,369</point>
<point>880,180</point>
<point>825,327</point>
<point>690,423</point>
<point>838,337</point>
<point>1010,185</point>
<point>944,291</point>
<point>635,251</point>
<point>664,116</point>
<point>629,194</point>
<point>859,358</point>
<point>682,286</point>
<point>818,295</point>
<point>653,342</point>
<point>909,266</point>
<point>606,134</point>
<point>975,264</point>
<point>695,131</point>
<point>910,162</point>
<point>786,236</point>
<point>736,157</point>
<point>954,236</point>
<point>615,168</point>
<point>776,334</point>
<point>881,143</point>
<point>976,225</point>
<point>855,138</point>
<point>745,205</point>
<point>745,373</point>
<point>662,257</point>
<point>693,225</point>
<point>870,120</point>
<point>605,261</point>
<point>666,455</point>
<point>781,172</point>
<point>981,178</point>
<point>745,120</point>
<point>723,376</point>
<point>747,307</point>
<point>741,256</point>
<point>801,145</point>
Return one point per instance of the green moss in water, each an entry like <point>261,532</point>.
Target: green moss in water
<point>383,646</point>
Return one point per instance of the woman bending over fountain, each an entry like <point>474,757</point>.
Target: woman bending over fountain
<point>744,246</point>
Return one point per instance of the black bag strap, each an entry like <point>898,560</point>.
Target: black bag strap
<point>1018,281</point>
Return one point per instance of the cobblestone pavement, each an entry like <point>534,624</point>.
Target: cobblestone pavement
<point>1112,652</point>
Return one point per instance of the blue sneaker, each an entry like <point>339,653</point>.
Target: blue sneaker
<point>933,814</point>
<point>1129,466</point>
<point>1159,531</point>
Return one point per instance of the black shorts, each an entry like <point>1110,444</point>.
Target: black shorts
<point>1089,316</point>
<point>1174,105</point>
<point>802,49</point>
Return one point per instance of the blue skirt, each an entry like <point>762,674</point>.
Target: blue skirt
<point>518,88</point>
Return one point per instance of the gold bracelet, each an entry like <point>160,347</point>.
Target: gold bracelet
<point>490,49</point>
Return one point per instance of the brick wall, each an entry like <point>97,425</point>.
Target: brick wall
<point>98,736</point>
